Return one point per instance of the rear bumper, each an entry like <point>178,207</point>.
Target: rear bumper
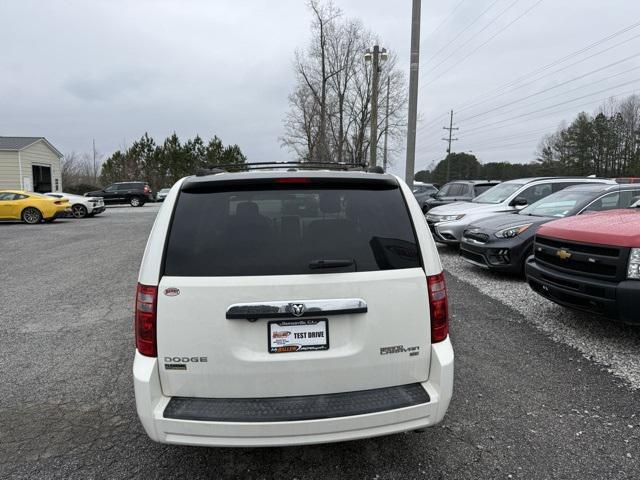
<point>62,213</point>
<point>617,301</point>
<point>151,405</point>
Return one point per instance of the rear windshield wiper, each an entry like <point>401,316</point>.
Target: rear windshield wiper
<point>317,264</point>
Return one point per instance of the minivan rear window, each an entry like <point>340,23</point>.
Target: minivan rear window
<point>308,229</point>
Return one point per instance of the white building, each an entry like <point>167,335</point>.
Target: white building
<point>29,163</point>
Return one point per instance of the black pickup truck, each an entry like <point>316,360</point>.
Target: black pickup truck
<point>135,194</point>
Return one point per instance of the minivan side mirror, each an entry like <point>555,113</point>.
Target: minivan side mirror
<point>519,202</point>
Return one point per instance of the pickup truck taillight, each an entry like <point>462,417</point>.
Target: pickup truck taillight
<point>438,307</point>
<point>145,325</point>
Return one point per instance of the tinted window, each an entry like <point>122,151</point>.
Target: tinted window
<point>445,191</point>
<point>279,232</point>
<point>499,193</point>
<point>562,185</point>
<point>536,192</point>
<point>480,189</point>
<point>628,198</point>
<point>608,202</point>
<point>7,196</point>
<point>456,190</point>
<point>559,204</point>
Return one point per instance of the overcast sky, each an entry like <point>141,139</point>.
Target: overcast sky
<point>111,69</point>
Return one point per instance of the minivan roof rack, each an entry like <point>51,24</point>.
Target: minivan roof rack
<point>290,166</point>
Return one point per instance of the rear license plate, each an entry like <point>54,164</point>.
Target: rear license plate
<point>298,336</point>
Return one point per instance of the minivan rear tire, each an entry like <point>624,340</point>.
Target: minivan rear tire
<point>136,202</point>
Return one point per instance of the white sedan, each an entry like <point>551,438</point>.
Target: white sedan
<point>81,207</point>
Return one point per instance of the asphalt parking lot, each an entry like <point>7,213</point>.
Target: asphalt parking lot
<point>539,392</point>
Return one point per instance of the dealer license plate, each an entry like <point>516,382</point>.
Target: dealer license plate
<point>298,336</point>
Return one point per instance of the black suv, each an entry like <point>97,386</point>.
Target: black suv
<point>458,191</point>
<point>135,194</point>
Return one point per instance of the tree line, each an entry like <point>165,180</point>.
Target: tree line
<point>606,144</point>
<point>330,107</point>
<point>159,164</point>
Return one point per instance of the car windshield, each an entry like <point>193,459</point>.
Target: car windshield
<point>560,204</point>
<point>498,194</point>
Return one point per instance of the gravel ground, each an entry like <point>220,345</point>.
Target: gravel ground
<point>615,346</point>
<point>527,404</point>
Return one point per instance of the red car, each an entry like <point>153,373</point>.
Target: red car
<point>590,263</point>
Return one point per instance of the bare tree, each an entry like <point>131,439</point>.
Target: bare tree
<point>330,109</point>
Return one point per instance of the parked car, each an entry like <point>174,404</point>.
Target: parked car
<point>81,207</point>
<point>135,194</point>
<point>590,263</point>
<point>504,242</point>
<point>288,337</point>
<point>449,222</point>
<point>30,207</point>
<point>162,194</point>
<point>458,191</point>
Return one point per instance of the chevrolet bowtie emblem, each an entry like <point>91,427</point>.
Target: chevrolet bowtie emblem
<point>563,254</point>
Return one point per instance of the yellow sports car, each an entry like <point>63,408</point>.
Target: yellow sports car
<point>31,207</point>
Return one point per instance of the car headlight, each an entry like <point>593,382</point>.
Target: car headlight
<point>633,271</point>
<point>512,232</point>
<point>449,218</point>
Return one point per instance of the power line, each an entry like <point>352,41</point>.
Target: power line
<point>547,67</point>
<point>555,125</point>
<point>562,84</point>
<point>473,37</point>
<point>435,55</point>
<point>556,105</point>
<point>565,68</point>
<point>526,12</point>
<point>551,97</point>
<point>437,29</point>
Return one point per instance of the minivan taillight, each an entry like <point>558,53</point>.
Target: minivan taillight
<point>438,307</point>
<point>146,302</point>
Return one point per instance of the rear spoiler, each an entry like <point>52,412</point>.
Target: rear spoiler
<point>292,180</point>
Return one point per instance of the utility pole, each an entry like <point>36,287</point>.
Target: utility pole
<point>414,77</point>
<point>386,127</point>
<point>451,129</point>
<point>95,174</point>
<point>375,56</point>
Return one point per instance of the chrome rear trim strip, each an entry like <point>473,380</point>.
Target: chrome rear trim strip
<point>296,308</point>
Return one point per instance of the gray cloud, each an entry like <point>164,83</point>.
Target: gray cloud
<point>115,69</point>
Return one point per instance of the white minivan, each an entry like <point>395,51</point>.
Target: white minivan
<point>289,308</point>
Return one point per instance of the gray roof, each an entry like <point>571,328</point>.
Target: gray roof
<point>20,143</point>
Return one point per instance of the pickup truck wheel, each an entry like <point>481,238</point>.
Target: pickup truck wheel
<point>79,211</point>
<point>135,202</point>
<point>31,216</point>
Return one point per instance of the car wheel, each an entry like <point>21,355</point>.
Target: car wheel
<point>135,202</point>
<point>31,216</point>
<point>79,211</point>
